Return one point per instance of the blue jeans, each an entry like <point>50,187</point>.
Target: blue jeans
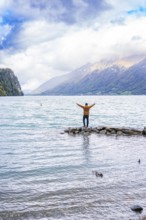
<point>85,120</point>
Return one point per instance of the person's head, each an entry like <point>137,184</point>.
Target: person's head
<point>86,104</point>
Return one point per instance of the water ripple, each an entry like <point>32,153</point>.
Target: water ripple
<point>48,175</point>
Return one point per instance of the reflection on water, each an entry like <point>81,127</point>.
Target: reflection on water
<point>86,148</point>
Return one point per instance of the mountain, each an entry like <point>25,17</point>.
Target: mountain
<point>74,76</point>
<point>134,80</point>
<point>97,82</point>
<point>108,80</point>
<point>9,84</point>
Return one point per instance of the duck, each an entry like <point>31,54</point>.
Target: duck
<point>139,161</point>
<point>97,174</point>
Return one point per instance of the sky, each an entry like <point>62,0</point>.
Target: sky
<point>41,39</point>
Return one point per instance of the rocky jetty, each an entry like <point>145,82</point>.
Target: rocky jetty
<point>103,130</point>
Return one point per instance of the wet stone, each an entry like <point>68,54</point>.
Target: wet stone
<point>102,132</point>
<point>144,131</point>
<point>119,133</point>
<point>137,208</point>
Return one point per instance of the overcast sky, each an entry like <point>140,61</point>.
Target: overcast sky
<point>40,39</point>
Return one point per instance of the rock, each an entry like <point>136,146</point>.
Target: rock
<point>101,128</point>
<point>106,130</point>
<point>85,129</point>
<point>131,131</point>
<point>119,132</point>
<point>108,133</point>
<point>128,132</point>
<point>137,208</point>
<point>95,130</point>
<point>144,131</point>
<point>113,131</point>
<point>73,130</point>
<point>117,129</point>
<point>102,132</point>
<point>109,130</point>
<point>80,129</point>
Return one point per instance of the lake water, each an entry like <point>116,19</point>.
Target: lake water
<point>45,174</point>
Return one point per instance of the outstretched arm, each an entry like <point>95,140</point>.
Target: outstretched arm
<point>92,105</point>
<point>79,105</point>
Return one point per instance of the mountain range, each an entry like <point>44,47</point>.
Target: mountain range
<point>93,80</point>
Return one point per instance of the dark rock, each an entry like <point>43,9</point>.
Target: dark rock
<point>103,131</point>
<point>131,131</point>
<point>80,129</point>
<point>144,131</point>
<point>109,129</point>
<point>101,128</point>
<point>137,208</point>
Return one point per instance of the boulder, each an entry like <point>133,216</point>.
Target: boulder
<point>101,128</point>
<point>131,131</point>
<point>109,129</point>
<point>108,133</point>
<point>113,131</point>
<point>102,132</point>
<point>119,132</point>
<point>137,208</point>
<point>144,131</point>
<point>95,130</point>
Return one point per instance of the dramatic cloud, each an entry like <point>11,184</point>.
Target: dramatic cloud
<point>43,39</point>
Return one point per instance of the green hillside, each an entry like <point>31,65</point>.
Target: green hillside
<point>9,84</point>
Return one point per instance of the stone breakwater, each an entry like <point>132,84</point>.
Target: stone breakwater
<point>106,131</point>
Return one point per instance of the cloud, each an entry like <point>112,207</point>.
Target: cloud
<point>42,39</point>
<point>39,31</point>
<point>19,14</point>
<point>70,11</point>
<point>136,38</point>
<point>4,4</point>
<point>4,32</point>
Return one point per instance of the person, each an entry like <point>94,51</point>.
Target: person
<point>86,110</point>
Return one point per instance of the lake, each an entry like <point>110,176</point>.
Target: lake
<point>45,174</point>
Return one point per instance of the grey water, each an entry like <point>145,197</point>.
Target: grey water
<point>47,174</point>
